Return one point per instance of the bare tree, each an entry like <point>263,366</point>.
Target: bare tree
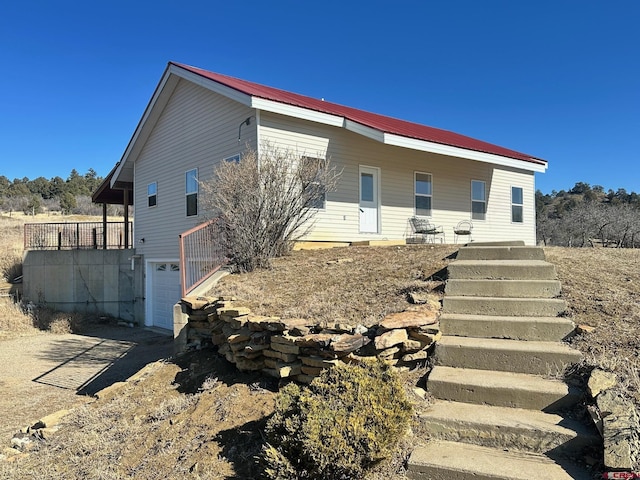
<point>267,201</point>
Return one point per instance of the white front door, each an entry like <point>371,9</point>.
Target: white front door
<point>369,200</point>
<point>165,292</point>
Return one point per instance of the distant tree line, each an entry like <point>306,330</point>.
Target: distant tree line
<point>588,216</point>
<point>70,196</point>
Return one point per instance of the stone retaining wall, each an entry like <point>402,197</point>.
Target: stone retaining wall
<point>300,348</point>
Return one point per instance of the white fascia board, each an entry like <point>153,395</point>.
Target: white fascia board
<point>425,146</point>
<point>297,112</point>
<point>363,130</point>
<point>212,85</point>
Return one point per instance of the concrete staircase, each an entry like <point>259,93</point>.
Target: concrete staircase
<point>499,413</point>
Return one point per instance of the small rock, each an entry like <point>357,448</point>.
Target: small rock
<point>412,357</point>
<point>390,338</point>
<point>300,331</point>
<point>348,343</point>
<point>611,403</point>
<point>418,298</point>
<point>600,381</point>
<point>420,392</point>
<point>360,330</point>
<point>51,420</point>
<point>585,329</point>
<point>389,353</point>
<point>22,442</point>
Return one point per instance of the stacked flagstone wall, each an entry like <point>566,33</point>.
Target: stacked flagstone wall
<point>301,348</point>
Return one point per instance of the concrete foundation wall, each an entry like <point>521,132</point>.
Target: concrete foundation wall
<point>92,281</point>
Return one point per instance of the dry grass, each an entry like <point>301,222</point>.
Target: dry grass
<point>602,289</point>
<point>10,248</point>
<point>350,284</point>
<point>13,320</point>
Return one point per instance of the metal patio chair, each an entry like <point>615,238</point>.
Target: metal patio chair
<point>463,227</point>
<point>425,231</point>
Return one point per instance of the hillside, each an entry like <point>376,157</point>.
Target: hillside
<point>196,417</point>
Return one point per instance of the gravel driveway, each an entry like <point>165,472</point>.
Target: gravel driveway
<point>43,373</point>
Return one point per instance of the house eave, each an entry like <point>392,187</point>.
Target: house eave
<point>534,165</point>
<point>172,74</point>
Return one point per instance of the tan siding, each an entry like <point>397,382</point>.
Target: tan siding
<point>196,129</point>
<point>451,185</point>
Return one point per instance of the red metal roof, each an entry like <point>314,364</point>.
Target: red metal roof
<point>373,120</point>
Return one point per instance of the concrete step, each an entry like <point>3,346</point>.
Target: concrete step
<point>503,288</point>
<point>503,389</point>
<point>441,460</point>
<point>539,358</point>
<point>517,307</point>
<point>543,329</point>
<point>502,270</point>
<point>500,253</point>
<point>504,427</point>
<point>503,243</point>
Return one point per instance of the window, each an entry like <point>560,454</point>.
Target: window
<point>316,191</point>
<point>152,194</point>
<point>233,158</point>
<point>366,187</point>
<point>478,200</point>
<point>517,205</point>
<point>191,190</point>
<point>423,193</point>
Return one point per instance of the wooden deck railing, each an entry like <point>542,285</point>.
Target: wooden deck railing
<point>201,254</point>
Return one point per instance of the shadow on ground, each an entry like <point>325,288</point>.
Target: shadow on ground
<point>101,356</point>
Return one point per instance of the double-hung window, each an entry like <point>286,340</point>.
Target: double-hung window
<point>152,194</point>
<point>478,200</point>
<point>517,205</point>
<point>423,195</point>
<point>191,191</point>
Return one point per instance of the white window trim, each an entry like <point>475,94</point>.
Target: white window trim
<point>187,193</point>
<point>516,204</point>
<point>154,195</point>
<point>415,194</point>
<point>484,201</point>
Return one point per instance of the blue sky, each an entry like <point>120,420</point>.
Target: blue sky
<point>559,80</point>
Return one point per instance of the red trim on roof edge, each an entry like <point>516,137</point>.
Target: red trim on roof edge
<point>373,120</point>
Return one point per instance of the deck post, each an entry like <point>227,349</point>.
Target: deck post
<point>126,218</point>
<point>104,226</point>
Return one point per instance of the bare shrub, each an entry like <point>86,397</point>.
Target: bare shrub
<point>266,201</point>
<point>56,321</point>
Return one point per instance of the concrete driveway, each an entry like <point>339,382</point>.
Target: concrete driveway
<point>43,373</point>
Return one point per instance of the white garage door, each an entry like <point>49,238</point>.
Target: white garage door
<point>165,292</point>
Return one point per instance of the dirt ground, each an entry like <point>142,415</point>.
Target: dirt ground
<point>197,417</point>
<point>43,372</point>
